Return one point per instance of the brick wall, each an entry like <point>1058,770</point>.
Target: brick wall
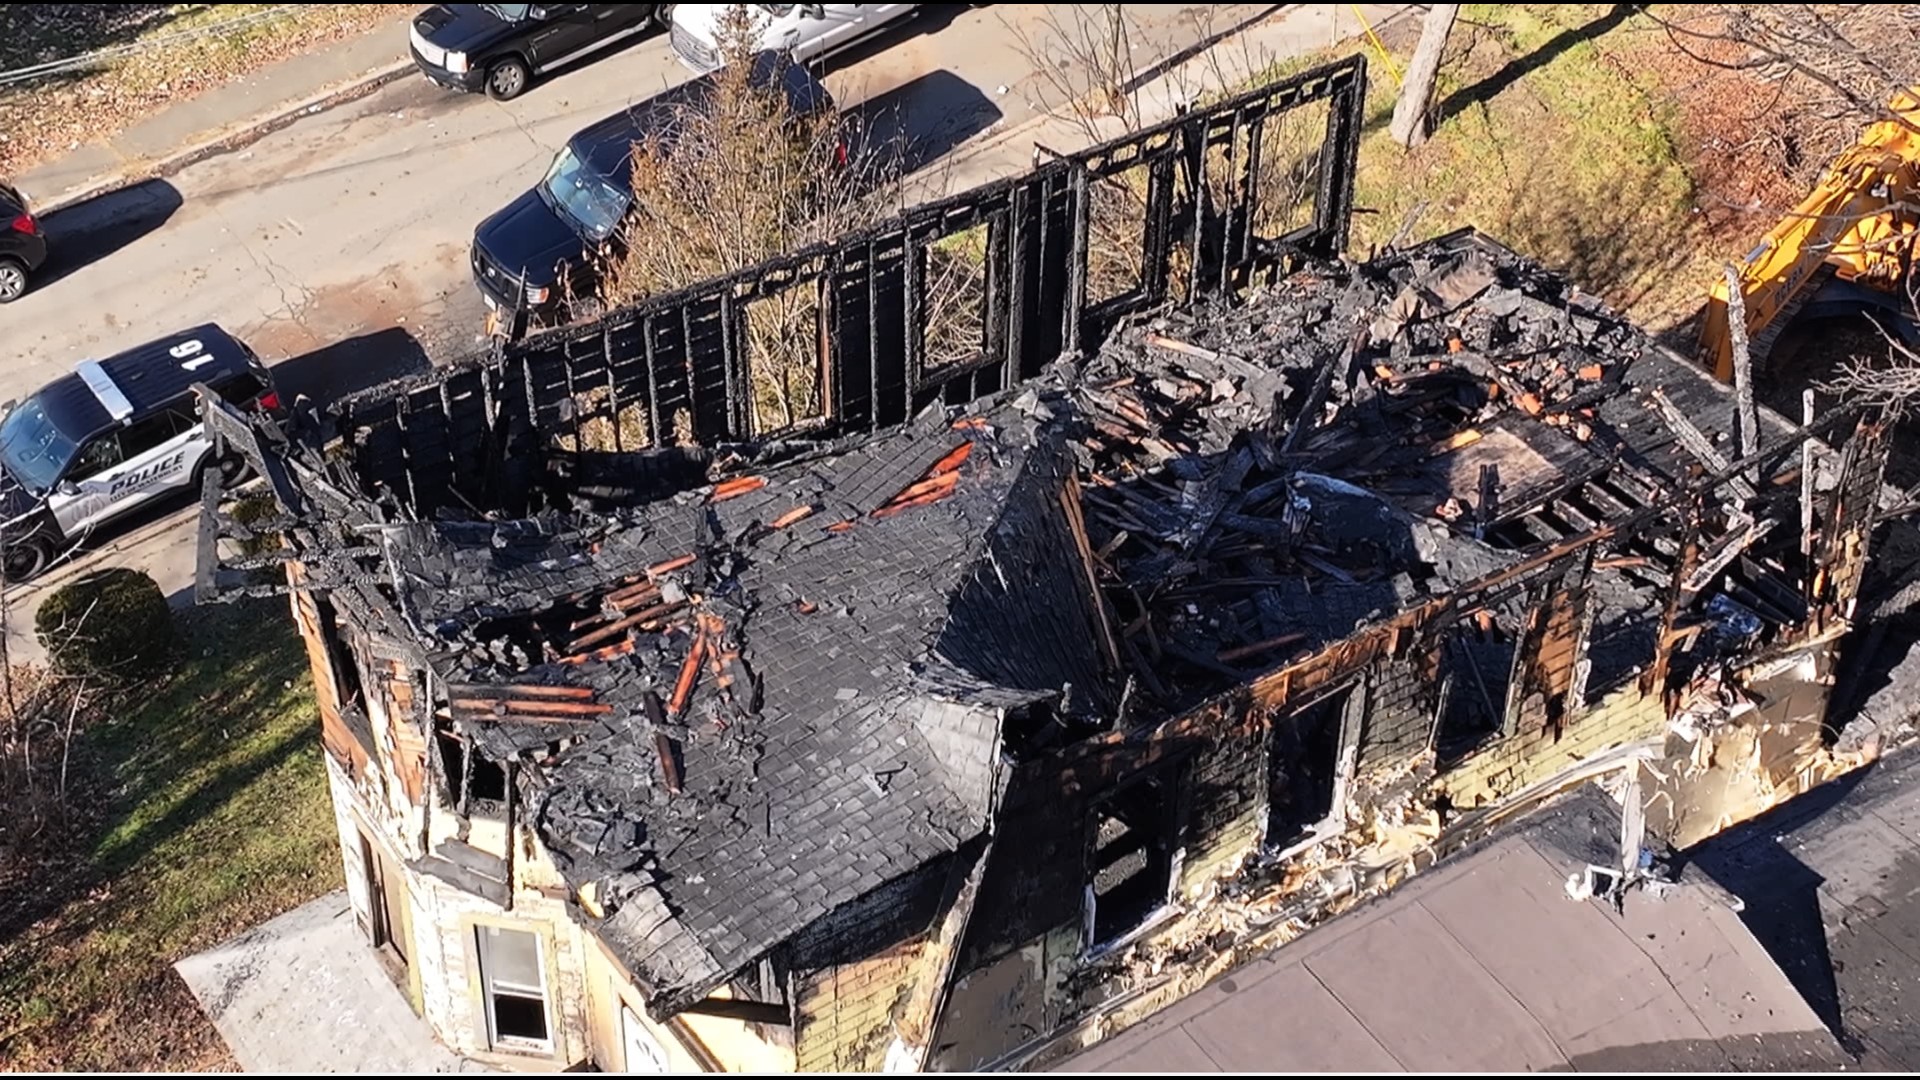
<point>854,970</point>
<point>1504,766</point>
<point>1402,701</point>
<point>1226,807</point>
<point>441,919</point>
<point>843,1014</point>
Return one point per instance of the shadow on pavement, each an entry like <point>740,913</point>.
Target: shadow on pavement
<point>925,119</point>
<point>333,371</point>
<point>86,232</point>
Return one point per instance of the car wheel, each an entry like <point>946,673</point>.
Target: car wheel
<point>13,280</point>
<point>25,559</point>
<point>663,16</point>
<point>507,79</point>
<point>231,469</point>
<point>234,471</point>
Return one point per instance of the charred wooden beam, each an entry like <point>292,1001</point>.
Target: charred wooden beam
<point>520,703</point>
<point>1696,441</point>
<point>753,1012</point>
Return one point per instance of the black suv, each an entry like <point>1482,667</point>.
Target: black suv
<point>500,47</point>
<point>115,435</point>
<point>23,246</point>
<point>519,253</point>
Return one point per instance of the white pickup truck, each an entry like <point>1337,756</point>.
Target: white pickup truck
<point>805,31</point>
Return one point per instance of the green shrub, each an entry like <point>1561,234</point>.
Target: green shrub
<point>251,510</point>
<point>110,624</point>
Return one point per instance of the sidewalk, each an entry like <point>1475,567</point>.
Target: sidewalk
<point>192,129</point>
<point>1296,31</point>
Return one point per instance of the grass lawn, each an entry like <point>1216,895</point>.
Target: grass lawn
<point>215,816</point>
<point>1551,142</point>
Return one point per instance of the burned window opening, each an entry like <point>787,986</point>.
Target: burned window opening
<point>1476,663</point>
<point>477,782</point>
<point>1303,764</point>
<point>346,667</point>
<point>1132,859</point>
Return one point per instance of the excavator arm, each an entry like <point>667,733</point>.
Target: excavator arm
<point>1861,220</point>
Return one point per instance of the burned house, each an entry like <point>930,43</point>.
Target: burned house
<point>1000,700</point>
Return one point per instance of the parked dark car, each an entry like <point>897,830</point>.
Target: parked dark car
<point>116,435</point>
<point>499,48</point>
<point>519,253</point>
<point>23,245</point>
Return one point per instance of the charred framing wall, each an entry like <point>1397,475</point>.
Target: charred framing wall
<point>674,371</point>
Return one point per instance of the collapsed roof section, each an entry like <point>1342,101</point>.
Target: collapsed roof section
<point>1267,476</point>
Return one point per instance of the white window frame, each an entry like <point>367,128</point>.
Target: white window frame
<point>489,985</point>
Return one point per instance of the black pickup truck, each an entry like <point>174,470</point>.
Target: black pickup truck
<point>499,48</point>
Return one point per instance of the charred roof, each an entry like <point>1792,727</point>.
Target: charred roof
<point>754,701</point>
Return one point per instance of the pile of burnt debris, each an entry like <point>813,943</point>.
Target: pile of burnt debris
<point>1347,441</point>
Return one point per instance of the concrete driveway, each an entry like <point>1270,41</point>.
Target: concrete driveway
<point>338,246</point>
<point>303,994</point>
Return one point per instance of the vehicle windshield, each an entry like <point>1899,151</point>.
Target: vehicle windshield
<point>507,12</point>
<point>592,203</point>
<point>32,448</point>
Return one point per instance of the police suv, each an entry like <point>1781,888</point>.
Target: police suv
<point>116,435</point>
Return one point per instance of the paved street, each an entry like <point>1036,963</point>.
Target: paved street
<point>357,221</point>
<point>337,246</point>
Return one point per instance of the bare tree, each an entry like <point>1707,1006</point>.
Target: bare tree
<point>1852,58</point>
<point>740,176</point>
<point>40,714</point>
<point>1818,71</point>
<point>1890,381</point>
<point>1083,54</point>
<point>1411,113</point>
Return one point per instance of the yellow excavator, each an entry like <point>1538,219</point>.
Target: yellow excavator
<point>1847,249</point>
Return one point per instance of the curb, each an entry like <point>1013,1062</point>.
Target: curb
<point>231,140</point>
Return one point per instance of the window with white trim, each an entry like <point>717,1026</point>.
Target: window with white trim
<point>1133,860</point>
<point>513,979</point>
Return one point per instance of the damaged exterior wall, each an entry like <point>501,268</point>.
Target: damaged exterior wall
<point>1160,827</point>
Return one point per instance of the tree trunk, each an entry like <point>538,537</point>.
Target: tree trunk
<point>1745,415</point>
<point>1410,113</point>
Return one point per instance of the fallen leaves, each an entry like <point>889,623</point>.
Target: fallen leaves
<point>56,114</point>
